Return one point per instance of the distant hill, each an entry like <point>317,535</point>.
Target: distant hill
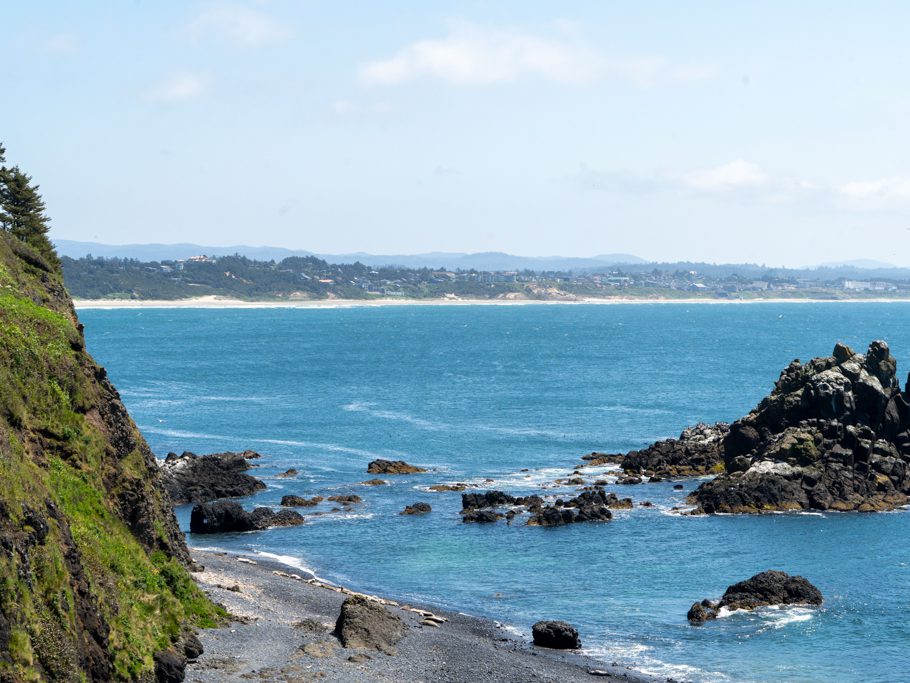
<point>865,264</point>
<point>453,261</point>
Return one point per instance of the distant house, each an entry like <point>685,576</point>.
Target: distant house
<point>866,286</point>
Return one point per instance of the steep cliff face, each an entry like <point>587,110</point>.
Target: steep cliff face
<point>93,578</point>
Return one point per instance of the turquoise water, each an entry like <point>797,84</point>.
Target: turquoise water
<point>483,392</point>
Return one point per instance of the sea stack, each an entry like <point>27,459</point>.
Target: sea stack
<point>833,435</point>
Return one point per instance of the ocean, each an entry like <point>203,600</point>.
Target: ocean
<point>481,394</point>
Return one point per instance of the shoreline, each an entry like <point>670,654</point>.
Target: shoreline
<point>283,631</point>
<point>214,302</point>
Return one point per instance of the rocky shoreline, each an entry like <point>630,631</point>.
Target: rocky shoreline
<point>282,630</point>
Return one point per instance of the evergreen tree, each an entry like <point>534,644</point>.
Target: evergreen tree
<point>22,211</point>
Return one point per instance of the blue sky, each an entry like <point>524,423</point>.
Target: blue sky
<point>767,132</point>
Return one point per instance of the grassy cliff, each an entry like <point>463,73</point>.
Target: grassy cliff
<point>93,578</point>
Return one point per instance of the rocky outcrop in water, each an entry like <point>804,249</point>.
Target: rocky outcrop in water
<point>417,509</point>
<point>698,451</point>
<point>557,635</point>
<point>833,435</point>
<point>225,516</point>
<point>364,623</point>
<point>591,505</point>
<point>191,478</point>
<point>381,466</point>
<point>762,590</point>
<point>588,506</point>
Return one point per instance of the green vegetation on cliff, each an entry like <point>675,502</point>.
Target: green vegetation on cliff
<point>93,577</point>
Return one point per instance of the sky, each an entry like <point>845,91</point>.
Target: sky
<point>771,132</point>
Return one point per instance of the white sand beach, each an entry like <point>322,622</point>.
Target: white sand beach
<point>221,302</point>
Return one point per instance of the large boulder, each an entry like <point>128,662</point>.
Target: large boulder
<point>225,516</point>
<point>834,434</point>
<point>170,667</point>
<point>364,623</point>
<point>770,588</point>
<point>555,634</point>
<point>381,466</point>
<point>191,478</point>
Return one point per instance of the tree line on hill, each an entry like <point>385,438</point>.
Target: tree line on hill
<point>238,276</point>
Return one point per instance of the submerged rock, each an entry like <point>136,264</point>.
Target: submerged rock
<point>381,466</point>
<point>349,499</point>
<point>833,435</point>
<point>417,509</point>
<point>298,501</point>
<point>448,487</point>
<point>762,590</point>
<point>363,623</point>
<point>557,635</point>
<point>225,516</point>
<point>191,478</point>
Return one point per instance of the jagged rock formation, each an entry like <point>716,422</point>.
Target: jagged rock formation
<point>88,539</point>
<point>698,451</point>
<point>191,478</point>
<point>762,590</point>
<point>833,435</point>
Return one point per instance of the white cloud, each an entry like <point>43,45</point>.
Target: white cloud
<point>238,24</point>
<point>180,87</point>
<point>472,55</point>
<point>882,191</point>
<point>732,175</point>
